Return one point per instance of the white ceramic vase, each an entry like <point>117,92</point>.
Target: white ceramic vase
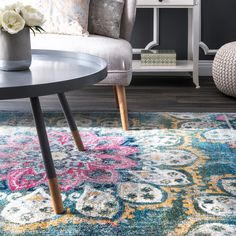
<point>15,50</point>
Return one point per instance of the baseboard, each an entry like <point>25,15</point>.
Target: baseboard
<point>205,68</point>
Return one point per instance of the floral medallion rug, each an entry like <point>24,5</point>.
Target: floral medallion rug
<point>171,174</point>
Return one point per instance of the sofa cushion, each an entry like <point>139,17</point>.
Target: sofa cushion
<point>105,17</point>
<point>61,17</point>
<point>116,52</point>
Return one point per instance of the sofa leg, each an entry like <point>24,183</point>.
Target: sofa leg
<point>121,97</point>
<point>115,95</point>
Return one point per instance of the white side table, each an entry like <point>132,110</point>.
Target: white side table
<point>194,13</point>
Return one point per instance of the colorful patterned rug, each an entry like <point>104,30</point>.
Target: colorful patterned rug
<point>171,174</point>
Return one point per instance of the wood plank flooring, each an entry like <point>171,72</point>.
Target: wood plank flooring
<point>146,93</point>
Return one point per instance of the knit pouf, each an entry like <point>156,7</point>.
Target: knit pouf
<point>224,69</point>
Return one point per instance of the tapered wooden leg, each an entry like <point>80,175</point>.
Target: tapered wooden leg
<point>116,98</point>
<point>55,195</point>
<point>122,106</point>
<point>47,156</point>
<point>71,121</point>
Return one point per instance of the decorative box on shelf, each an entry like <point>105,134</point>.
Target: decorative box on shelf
<point>158,57</point>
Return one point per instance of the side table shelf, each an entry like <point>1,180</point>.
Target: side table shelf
<point>192,62</point>
<point>181,66</point>
<point>166,3</point>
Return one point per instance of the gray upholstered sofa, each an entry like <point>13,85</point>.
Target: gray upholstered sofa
<point>117,53</point>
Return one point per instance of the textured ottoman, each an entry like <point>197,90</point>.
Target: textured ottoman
<point>224,69</point>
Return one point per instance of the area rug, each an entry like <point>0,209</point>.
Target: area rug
<point>171,174</point>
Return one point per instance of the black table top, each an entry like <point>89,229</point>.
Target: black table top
<point>52,72</point>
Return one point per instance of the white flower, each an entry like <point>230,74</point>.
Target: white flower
<point>12,22</point>
<point>32,16</point>
<point>14,17</point>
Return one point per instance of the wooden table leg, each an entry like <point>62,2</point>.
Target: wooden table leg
<point>47,156</point>
<point>66,109</point>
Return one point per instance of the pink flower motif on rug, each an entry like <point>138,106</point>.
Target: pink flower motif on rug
<point>105,155</point>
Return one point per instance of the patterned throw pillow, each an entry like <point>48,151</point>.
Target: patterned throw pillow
<point>65,17</point>
<point>105,17</point>
<point>62,16</point>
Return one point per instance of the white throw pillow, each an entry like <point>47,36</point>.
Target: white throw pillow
<point>61,16</point>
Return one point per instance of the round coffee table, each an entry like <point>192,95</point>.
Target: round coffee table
<point>52,72</point>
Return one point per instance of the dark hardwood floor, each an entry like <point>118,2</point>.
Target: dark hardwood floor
<point>146,93</point>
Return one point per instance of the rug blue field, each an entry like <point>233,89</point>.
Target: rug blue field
<point>170,174</point>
